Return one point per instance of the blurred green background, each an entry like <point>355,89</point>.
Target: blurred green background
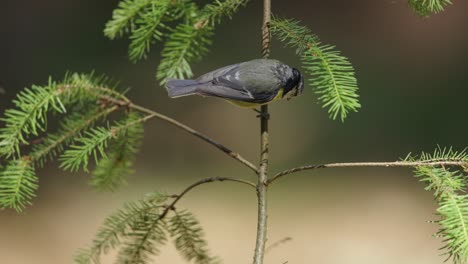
<point>412,74</point>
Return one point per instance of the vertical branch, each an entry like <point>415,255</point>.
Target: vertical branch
<point>262,176</point>
<point>266,33</point>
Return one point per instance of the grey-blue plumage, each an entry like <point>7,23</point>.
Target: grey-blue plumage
<point>178,88</point>
<point>255,81</point>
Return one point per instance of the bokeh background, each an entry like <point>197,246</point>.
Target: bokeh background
<point>412,75</point>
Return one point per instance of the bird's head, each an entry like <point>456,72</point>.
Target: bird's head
<point>294,84</point>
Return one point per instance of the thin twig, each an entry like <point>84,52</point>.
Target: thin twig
<point>262,189</point>
<point>368,164</point>
<point>35,141</point>
<point>264,145</point>
<point>178,124</point>
<point>125,102</point>
<point>277,244</point>
<point>200,182</point>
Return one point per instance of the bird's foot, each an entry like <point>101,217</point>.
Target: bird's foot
<point>261,114</point>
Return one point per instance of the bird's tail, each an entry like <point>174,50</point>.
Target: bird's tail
<point>178,88</point>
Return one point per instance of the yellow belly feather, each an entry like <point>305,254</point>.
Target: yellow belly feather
<point>278,96</point>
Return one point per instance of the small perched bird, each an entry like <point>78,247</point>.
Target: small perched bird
<point>246,84</point>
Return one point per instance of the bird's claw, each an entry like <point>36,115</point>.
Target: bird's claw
<point>262,115</point>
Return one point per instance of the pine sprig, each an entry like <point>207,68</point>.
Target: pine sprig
<point>18,184</point>
<point>424,8</point>
<point>185,45</point>
<point>147,29</point>
<point>332,74</point>
<point>145,21</point>
<point>189,239</point>
<point>214,13</point>
<point>146,235</point>
<point>440,180</point>
<point>93,144</point>
<point>123,17</point>
<point>32,106</point>
<point>186,10</point>
<point>80,89</point>
<point>29,117</point>
<point>453,208</point>
<point>189,41</point>
<point>119,227</point>
<point>454,221</point>
<point>70,128</point>
<point>111,169</point>
<point>439,154</point>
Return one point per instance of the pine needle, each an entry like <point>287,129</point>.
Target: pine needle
<point>332,75</point>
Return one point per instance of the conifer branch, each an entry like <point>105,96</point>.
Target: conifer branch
<point>186,10</point>
<point>142,19</point>
<point>77,140</point>
<point>145,22</point>
<point>139,228</point>
<point>189,241</point>
<point>407,164</point>
<point>453,208</point>
<point>123,17</point>
<point>147,29</point>
<point>186,44</point>
<point>136,227</point>
<point>332,74</point>
<point>214,13</point>
<point>18,184</point>
<point>18,181</point>
<point>70,128</point>
<point>153,114</point>
<point>29,117</point>
<point>439,154</point>
<point>94,142</point>
<point>189,41</point>
<point>262,187</point>
<point>111,169</point>
<point>431,168</point>
<point>424,8</point>
<point>200,182</point>
<point>146,235</point>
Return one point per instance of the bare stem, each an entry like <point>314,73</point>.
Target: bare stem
<point>368,164</point>
<point>262,190</point>
<point>278,243</point>
<point>200,182</point>
<point>264,141</point>
<point>154,114</point>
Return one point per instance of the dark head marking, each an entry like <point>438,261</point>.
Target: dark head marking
<point>296,82</point>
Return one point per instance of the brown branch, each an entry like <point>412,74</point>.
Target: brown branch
<point>35,141</point>
<point>153,114</point>
<point>262,187</point>
<point>278,243</point>
<point>368,164</point>
<point>200,182</point>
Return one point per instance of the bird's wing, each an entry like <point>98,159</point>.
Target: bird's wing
<point>227,76</point>
<point>216,83</point>
<point>226,93</point>
<point>226,83</point>
<point>245,82</point>
<point>208,77</point>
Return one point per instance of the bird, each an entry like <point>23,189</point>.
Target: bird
<point>246,84</point>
